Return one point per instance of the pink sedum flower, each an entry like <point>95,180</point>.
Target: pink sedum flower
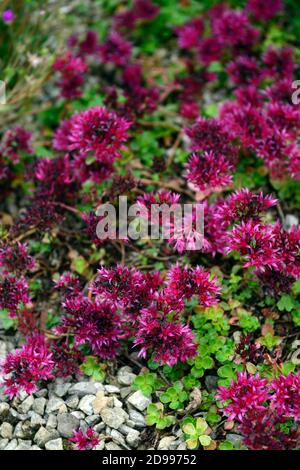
<point>15,258</point>
<point>13,292</point>
<point>264,10</point>
<point>255,242</point>
<point>190,33</point>
<point>15,142</point>
<point>169,341</point>
<point>27,366</point>
<point>243,205</point>
<point>279,62</point>
<point>209,171</point>
<point>244,70</point>
<point>96,324</point>
<point>188,283</point>
<point>233,28</point>
<point>210,134</point>
<point>85,439</point>
<point>115,49</point>
<point>142,10</point>
<point>72,70</point>
<point>286,397</point>
<point>209,49</point>
<point>127,288</point>
<point>244,394</point>
<point>263,429</point>
<point>99,132</point>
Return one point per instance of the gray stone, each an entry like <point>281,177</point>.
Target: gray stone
<point>54,404</point>
<point>24,445</point>
<point>100,446</point>
<point>290,220</point>
<point>125,391</point>
<point>113,417</point>
<point>36,420</point>
<point>14,417</point>
<point>99,427</point>
<point>39,405</point>
<point>72,401</point>
<point>118,437</point>
<point>182,446</point>
<point>211,382</point>
<point>18,432</point>
<point>15,402</point>
<point>124,429</point>
<point>4,410</point>
<point>67,424</point>
<point>3,443</point>
<point>78,414</point>
<point>6,430</point>
<point>117,403</point>
<point>3,350</point>
<point>62,389</point>
<point>236,439</point>
<point>98,385</point>
<point>41,393</point>
<point>22,395</point>
<point>133,438</point>
<point>23,430</point>
<point>12,445</point>
<point>26,405</point>
<point>44,435</point>
<point>137,418</point>
<point>112,446</point>
<point>111,389</point>
<point>52,421</point>
<point>130,423</point>
<point>63,409</point>
<point>85,388</point>
<point>125,376</point>
<point>85,404</point>
<point>92,420</point>
<point>35,448</point>
<point>167,443</point>
<point>139,400</point>
<point>55,444</point>
<point>22,417</point>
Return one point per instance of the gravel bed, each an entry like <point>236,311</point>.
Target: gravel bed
<point>47,419</point>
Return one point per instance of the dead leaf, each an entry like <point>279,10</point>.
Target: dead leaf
<point>229,425</point>
<point>212,446</point>
<point>267,328</point>
<point>195,400</point>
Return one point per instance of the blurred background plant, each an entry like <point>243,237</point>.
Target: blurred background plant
<point>31,33</point>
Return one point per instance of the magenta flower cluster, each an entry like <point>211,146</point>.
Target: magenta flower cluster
<point>15,143</point>
<point>15,258</point>
<point>128,303</point>
<point>142,10</point>
<point>26,367</point>
<point>85,439</point>
<point>96,133</point>
<point>262,407</point>
<point>212,163</point>
<point>13,293</point>
<point>72,70</point>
